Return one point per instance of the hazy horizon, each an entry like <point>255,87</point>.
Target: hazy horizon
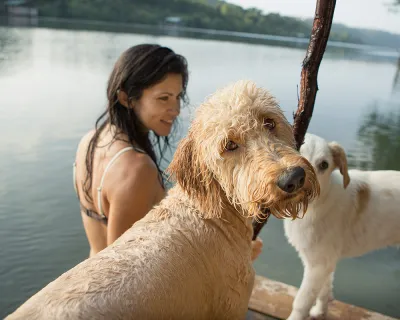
<point>353,13</point>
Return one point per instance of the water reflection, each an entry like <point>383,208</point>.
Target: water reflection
<point>15,48</point>
<point>378,140</point>
<point>8,40</point>
<point>396,79</point>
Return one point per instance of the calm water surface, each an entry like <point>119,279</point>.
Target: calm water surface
<point>52,88</point>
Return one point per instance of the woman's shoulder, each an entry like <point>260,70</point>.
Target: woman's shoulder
<point>84,141</point>
<point>134,173</point>
<point>83,145</point>
<point>134,164</point>
<point>127,167</point>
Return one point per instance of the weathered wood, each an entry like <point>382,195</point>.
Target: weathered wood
<point>308,83</point>
<point>275,299</point>
<point>253,315</point>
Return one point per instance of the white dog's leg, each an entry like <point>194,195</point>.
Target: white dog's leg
<point>313,280</point>
<point>318,311</point>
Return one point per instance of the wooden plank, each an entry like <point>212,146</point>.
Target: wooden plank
<point>275,299</point>
<point>253,315</point>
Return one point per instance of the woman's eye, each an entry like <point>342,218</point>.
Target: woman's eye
<point>323,165</point>
<point>269,123</point>
<point>230,146</point>
<point>164,98</point>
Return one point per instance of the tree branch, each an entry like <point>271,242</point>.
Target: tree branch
<point>308,84</point>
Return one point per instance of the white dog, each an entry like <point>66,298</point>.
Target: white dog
<point>356,212</point>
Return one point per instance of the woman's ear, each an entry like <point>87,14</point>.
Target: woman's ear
<point>123,98</point>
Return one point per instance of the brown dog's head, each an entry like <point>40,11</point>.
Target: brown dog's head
<point>240,152</point>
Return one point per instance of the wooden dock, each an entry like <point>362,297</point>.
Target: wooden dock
<point>273,300</point>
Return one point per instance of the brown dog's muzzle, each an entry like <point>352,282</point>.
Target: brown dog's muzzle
<point>292,179</point>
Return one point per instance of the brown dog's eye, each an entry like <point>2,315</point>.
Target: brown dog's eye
<point>269,123</point>
<point>230,146</point>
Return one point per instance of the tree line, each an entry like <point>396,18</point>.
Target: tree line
<point>209,14</point>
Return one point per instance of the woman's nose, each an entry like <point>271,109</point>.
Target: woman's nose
<point>175,108</point>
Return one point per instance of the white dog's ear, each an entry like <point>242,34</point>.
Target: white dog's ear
<point>340,160</point>
<point>192,174</point>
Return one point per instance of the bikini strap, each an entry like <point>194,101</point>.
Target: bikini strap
<point>74,178</point>
<point>115,157</point>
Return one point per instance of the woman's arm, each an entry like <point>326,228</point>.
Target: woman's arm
<point>132,197</point>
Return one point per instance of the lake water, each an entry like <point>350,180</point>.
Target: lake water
<point>52,88</point>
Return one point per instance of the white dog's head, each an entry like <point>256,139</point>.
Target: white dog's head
<point>240,152</point>
<point>325,157</point>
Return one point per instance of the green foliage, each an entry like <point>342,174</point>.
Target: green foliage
<point>209,14</point>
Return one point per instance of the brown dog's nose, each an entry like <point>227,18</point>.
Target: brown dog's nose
<point>292,179</point>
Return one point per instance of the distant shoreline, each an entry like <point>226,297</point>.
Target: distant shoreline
<point>181,31</point>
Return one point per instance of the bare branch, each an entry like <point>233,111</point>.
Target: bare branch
<point>308,84</point>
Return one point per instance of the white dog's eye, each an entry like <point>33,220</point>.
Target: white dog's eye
<point>230,146</point>
<point>323,165</point>
<point>269,123</point>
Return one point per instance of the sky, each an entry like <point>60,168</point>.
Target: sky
<point>372,14</point>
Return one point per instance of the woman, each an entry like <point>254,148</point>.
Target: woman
<point>116,174</point>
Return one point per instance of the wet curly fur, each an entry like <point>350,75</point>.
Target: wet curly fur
<point>190,256</point>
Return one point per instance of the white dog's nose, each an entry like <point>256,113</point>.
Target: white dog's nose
<point>292,179</point>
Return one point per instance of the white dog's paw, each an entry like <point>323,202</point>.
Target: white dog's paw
<point>317,313</point>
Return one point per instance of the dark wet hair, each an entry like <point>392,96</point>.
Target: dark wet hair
<point>137,69</point>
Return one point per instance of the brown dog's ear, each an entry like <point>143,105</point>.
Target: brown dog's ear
<point>340,160</point>
<point>192,174</point>
<point>180,167</point>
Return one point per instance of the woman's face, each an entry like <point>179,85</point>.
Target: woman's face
<point>159,105</point>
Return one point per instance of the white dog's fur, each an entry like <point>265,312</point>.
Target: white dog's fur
<point>190,257</point>
<point>356,212</point>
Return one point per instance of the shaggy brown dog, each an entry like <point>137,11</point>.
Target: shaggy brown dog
<point>190,257</point>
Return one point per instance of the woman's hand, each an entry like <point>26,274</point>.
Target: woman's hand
<point>256,248</point>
